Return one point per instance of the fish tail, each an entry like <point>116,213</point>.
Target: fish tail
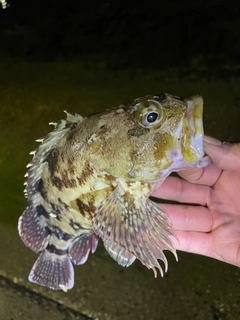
<point>53,269</point>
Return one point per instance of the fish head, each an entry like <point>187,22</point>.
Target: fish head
<point>173,137</point>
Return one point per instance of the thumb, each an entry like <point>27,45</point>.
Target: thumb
<point>225,156</point>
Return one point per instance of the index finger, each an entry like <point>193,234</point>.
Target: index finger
<point>224,155</point>
<point>207,176</point>
<point>177,189</point>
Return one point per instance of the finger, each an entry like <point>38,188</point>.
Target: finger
<point>194,242</point>
<point>189,218</point>
<point>225,156</point>
<point>177,189</point>
<point>201,243</point>
<point>207,176</point>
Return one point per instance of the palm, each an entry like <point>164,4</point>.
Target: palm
<point>224,204</point>
<point>207,218</point>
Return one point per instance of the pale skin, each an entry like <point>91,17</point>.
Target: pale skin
<point>207,218</point>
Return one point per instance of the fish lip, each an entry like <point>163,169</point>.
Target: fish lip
<point>192,131</point>
<point>195,106</point>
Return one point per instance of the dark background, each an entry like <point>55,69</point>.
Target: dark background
<point>123,33</point>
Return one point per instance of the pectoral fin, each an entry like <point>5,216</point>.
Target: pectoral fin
<point>132,225</point>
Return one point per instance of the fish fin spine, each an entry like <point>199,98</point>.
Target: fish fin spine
<point>40,154</point>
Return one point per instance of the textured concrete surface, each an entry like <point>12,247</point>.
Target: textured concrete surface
<point>194,288</point>
<point>16,302</point>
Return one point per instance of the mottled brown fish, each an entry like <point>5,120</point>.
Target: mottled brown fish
<point>91,178</point>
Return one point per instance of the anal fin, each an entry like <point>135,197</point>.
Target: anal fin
<point>118,253</point>
<point>80,248</point>
<point>53,271</point>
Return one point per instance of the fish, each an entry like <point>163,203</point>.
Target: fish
<point>91,178</point>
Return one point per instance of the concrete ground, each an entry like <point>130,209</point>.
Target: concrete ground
<point>195,287</point>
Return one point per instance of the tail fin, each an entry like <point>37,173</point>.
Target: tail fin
<point>53,271</point>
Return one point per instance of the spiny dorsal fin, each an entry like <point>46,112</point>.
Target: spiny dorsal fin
<point>135,223</point>
<point>47,144</point>
<point>32,226</point>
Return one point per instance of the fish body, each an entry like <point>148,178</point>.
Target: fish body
<point>91,178</point>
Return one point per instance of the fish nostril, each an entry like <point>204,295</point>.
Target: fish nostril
<point>160,97</point>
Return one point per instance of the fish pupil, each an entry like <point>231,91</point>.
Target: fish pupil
<point>152,117</point>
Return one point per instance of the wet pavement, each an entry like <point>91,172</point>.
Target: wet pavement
<point>17,302</point>
<point>195,287</point>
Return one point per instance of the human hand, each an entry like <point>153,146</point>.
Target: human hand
<point>207,218</point>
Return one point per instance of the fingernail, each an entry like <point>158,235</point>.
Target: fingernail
<point>212,140</point>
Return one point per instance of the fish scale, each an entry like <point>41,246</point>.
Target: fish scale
<point>91,179</point>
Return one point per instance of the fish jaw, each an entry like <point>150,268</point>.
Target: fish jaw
<point>188,149</point>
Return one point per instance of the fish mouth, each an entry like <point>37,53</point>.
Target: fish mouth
<point>192,131</point>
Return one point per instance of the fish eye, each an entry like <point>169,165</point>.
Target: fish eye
<point>151,113</point>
